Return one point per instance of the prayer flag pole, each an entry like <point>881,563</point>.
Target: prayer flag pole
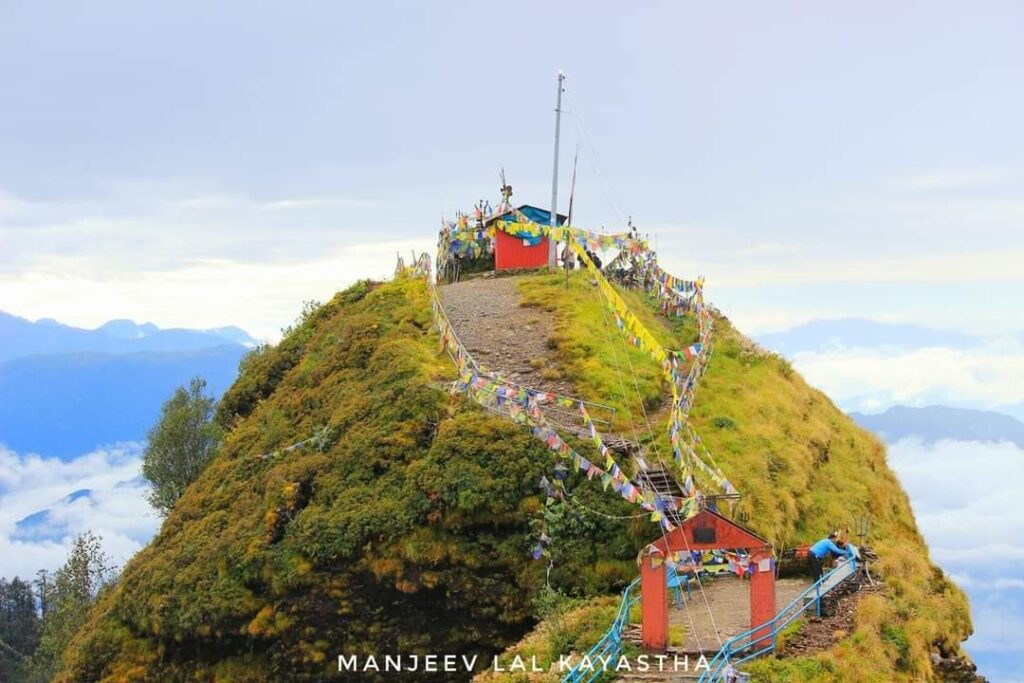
<point>552,254</point>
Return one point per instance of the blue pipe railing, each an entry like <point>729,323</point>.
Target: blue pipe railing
<point>736,650</point>
<point>609,647</point>
<point>746,646</point>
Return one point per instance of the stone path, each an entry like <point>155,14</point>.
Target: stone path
<point>502,335</point>
<point>729,598</point>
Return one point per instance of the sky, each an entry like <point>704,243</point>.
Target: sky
<point>203,164</point>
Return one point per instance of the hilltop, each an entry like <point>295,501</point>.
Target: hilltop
<point>408,524</point>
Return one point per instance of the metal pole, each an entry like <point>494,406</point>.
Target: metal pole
<point>552,254</point>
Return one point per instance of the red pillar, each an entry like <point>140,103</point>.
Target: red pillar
<point>762,594</point>
<point>654,601</point>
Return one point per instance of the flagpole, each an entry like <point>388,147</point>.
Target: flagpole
<point>552,254</point>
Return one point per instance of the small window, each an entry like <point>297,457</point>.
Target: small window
<point>705,535</point>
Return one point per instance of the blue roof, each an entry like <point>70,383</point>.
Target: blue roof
<point>535,214</point>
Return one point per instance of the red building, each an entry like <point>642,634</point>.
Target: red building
<point>706,531</point>
<point>522,251</point>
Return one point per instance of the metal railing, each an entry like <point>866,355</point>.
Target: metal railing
<point>761,639</point>
<point>738,649</point>
<point>609,647</point>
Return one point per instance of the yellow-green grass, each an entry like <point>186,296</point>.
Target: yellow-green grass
<point>411,529</point>
<point>804,468</point>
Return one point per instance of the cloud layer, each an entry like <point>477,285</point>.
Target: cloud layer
<point>114,508</point>
<point>989,376</point>
<point>966,499</point>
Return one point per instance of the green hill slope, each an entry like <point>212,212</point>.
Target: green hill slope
<point>804,468</point>
<point>408,525</point>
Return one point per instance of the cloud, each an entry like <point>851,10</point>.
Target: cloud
<point>260,296</point>
<point>166,226</point>
<point>770,248</point>
<point>936,267</point>
<point>184,255</point>
<point>988,376</point>
<point>11,206</point>
<point>965,497</point>
<point>316,203</point>
<point>114,507</point>
<point>954,180</point>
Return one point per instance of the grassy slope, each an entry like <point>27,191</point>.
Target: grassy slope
<point>412,529</point>
<point>803,467</point>
<point>410,532</point>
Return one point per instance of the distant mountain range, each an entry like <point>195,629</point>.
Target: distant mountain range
<point>66,390</point>
<point>934,423</point>
<point>824,335</point>
<point>44,525</point>
<point>67,404</point>
<point>20,337</point>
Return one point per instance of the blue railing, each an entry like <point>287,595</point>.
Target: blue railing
<point>736,650</point>
<point>747,645</point>
<point>609,648</point>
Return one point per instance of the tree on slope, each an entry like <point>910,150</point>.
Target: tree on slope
<point>19,627</point>
<point>68,598</point>
<point>181,444</point>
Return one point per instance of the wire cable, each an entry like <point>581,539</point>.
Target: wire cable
<point>641,473</point>
<point>647,422</point>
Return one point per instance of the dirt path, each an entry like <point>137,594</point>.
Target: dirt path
<point>729,598</point>
<point>502,335</point>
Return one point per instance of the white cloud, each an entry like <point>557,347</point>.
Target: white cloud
<point>316,203</point>
<point>260,297</point>
<point>116,508</point>
<point>138,225</point>
<point>966,499</point>
<point>753,320</point>
<point>963,495</point>
<point>770,248</point>
<point>989,376</point>
<point>11,205</point>
<point>954,179</point>
<point>936,267</point>
<point>182,255</point>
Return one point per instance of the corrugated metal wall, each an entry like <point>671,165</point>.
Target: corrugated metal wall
<point>510,252</point>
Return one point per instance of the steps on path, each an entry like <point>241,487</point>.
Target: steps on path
<point>661,481</point>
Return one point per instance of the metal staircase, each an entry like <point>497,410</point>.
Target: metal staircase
<point>659,480</point>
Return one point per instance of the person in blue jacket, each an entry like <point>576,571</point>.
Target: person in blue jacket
<point>820,550</point>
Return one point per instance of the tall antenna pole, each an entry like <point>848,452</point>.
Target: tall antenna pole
<point>552,254</point>
<point>572,186</point>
